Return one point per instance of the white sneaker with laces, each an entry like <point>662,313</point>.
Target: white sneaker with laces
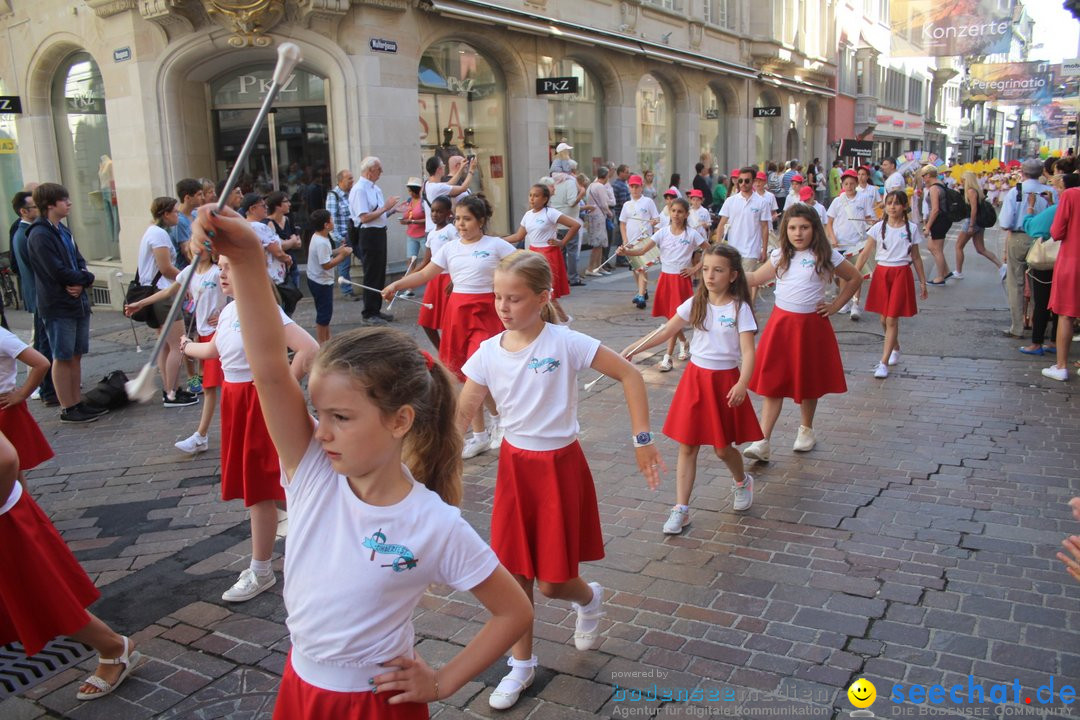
<point>1055,373</point>
<point>856,313</point>
<point>894,357</point>
<point>846,308</point>
<point>677,520</point>
<point>684,351</point>
<point>195,444</point>
<point>36,395</point>
<point>521,676</point>
<point>743,495</point>
<point>587,625</point>
<point>881,371</point>
<point>804,440</point>
<point>495,430</point>
<point>248,585</point>
<point>957,275</point>
<point>757,451</point>
<point>476,444</point>
<point>665,364</point>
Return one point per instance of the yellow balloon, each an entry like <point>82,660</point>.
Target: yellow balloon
<point>1057,153</point>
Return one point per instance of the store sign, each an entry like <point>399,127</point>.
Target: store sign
<point>1017,83</point>
<point>1070,67</point>
<point>884,119</point>
<point>932,28</point>
<point>380,45</point>
<point>251,87</point>
<point>84,105</point>
<point>10,105</point>
<point>770,111</point>
<point>557,86</point>
<point>121,54</point>
<point>857,148</point>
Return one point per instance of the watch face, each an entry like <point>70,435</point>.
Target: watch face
<point>643,437</point>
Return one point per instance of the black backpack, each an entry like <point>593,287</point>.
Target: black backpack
<point>109,393</point>
<point>954,204</point>
<point>985,214</point>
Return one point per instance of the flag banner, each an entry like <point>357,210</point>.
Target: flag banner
<point>1053,120</point>
<point>1062,85</point>
<point>940,28</point>
<point>1019,83</point>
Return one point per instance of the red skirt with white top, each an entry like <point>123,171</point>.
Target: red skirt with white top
<point>798,358</point>
<point>19,426</point>
<point>212,374</point>
<point>249,461</point>
<point>700,415</point>
<point>44,592</point>
<point>545,518</point>
<point>560,283</point>
<point>672,290</point>
<point>469,321</point>
<point>892,292</point>
<point>300,700</point>
<point>435,295</point>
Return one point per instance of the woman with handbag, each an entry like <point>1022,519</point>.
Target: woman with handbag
<point>971,229</point>
<point>1040,274</point>
<point>1065,290</point>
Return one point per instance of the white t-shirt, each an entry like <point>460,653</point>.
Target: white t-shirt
<point>717,346</point>
<point>267,236</point>
<point>540,226</point>
<point>10,347</point>
<point>535,388</point>
<point>472,265</point>
<point>676,251</point>
<point>205,293</point>
<point>699,218</point>
<point>895,250</point>
<point>355,572</point>
<point>871,193</point>
<point>438,237</point>
<point>637,214</point>
<point>799,289</point>
<point>894,182</point>
<point>154,237</point>
<point>770,201</point>
<point>849,219</point>
<point>432,191</point>
<point>744,218</point>
<point>230,344</point>
<point>319,253</point>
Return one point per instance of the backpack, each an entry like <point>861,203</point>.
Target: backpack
<point>109,393</point>
<point>954,204</point>
<point>985,214</point>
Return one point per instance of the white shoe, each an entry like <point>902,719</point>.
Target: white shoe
<point>846,308</point>
<point>881,371</point>
<point>757,451</point>
<point>856,313</point>
<point>594,273</point>
<point>677,520</point>
<point>743,495</point>
<point>684,351</point>
<point>894,357</point>
<point>569,319</point>
<point>476,444</point>
<point>1055,373</point>
<point>804,440</point>
<point>665,364</point>
<point>36,395</point>
<point>957,275</point>
<point>1001,273</point>
<point>605,271</point>
<point>248,585</point>
<point>195,444</point>
<point>495,430</point>
<point>506,693</point>
<point>587,626</point>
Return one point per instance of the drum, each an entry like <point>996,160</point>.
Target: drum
<point>645,261</point>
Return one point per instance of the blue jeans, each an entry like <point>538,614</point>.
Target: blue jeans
<point>41,344</point>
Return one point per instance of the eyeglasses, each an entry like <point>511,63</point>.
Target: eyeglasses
<point>744,181</point>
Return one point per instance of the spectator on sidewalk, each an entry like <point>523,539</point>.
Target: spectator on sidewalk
<point>190,193</point>
<point>337,204</point>
<point>1028,198</point>
<point>701,182</point>
<point>369,212</point>
<point>23,205</point>
<point>278,207</point>
<point>1065,290</point>
<point>596,222</point>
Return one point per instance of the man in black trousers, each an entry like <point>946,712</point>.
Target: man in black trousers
<point>368,212</point>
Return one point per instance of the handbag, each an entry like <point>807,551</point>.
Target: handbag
<point>289,296</point>
<point>1043,254</point>
<point>137,292</point>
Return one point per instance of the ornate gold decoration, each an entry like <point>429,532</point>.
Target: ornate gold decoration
<point>247,19</point>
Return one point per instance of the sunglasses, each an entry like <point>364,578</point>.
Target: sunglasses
<point>743,181</point>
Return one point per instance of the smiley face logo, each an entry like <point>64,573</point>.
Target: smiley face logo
<point>862,693</point>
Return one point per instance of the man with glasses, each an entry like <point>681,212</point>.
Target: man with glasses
<point>23,205</point>
<point>337,204</point>
<point>748,217</point>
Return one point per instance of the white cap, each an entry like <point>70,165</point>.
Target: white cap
<point>563,146</point>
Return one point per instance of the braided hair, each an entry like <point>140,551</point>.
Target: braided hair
<point>902,199</point>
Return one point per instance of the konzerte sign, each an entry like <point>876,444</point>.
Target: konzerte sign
<point>941,28</point>
<point>1026,83</point>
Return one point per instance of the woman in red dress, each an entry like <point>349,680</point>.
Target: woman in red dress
<point>1065,291</point>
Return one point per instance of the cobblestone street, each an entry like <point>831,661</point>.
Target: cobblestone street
<point>914,546</point>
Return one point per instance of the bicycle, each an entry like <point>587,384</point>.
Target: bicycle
<point>8,291</point>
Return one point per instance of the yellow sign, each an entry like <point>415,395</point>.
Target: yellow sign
<point>7,146</point>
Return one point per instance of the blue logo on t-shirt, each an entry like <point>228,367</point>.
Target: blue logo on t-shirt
<point>481,253</point>
<point>546,365</point>
<point>806,262</point>
<point>405,559</point>
<point>725,321</point>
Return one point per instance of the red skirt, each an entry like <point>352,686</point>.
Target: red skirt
<point>44,592</point>
<point>559,281</point>
<point>434,293</point>
<point>299,700</point>
<point>22,430</point>
<point>892,292</point>
<point>700,415</point>
<point>468,321</point>
<point>545,518</point>
<point>212,374</point>
<point>798,358</point>
<point>249,461</point>
<point>672,290</point>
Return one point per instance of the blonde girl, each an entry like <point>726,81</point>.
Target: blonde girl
<point>970,230</point>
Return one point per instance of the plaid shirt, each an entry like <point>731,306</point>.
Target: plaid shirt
<point>337,204</point>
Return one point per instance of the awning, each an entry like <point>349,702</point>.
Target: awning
<point>798,85</point>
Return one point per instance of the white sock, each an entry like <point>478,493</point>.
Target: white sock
<point>261,567</point>
<point>684,508</point>
<point>481,436</point>
<point>199,436</point>
<point>521,673</point>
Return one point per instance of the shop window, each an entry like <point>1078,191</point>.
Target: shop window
<point>654,128</point>
<point>575,118</point>
<point>11,180</point>
<point>713,131</point>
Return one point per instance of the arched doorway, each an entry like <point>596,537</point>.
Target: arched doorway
<point>793,150</point>
<point>766,128</point>
<point>575,118</point>
<point>713,131</point>
<point>654,128</point>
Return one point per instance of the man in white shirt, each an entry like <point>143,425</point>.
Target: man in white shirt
<point>1015,206</point>
<point>893,179</point>
<point>760,180</point>
<point>369,212</point>
<point>748,217</point>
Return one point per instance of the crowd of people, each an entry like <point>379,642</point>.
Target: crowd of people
<point>379,464</point>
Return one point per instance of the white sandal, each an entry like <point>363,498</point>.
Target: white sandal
<point>509,689</point>
<point>129,661</point>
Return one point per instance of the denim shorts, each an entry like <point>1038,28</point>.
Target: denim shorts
<point>413,246</point>
<point>965,227</point>
<point>323,295</point>
<point>68,337</point>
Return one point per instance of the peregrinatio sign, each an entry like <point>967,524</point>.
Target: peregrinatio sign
<point>949,27</point>
<point>1026,83</point>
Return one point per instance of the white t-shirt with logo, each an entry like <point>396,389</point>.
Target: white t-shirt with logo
<point>472,265</point>
<point>535,388</point>
<point>699,218</point>
<point>355,572</point>
<point>540,226</point>
<point>895,182</point>
<point>154,237</point>
<point>676,250</point>
<point>871,193</point>
<point>230,344</point>
<point>637,214</point>
<point>770,201</point>
<point>800,289</point>
<point>744,217</point>
<point>319,253</point>
<point>849,219</point>
<point>438,237</point>
<point>205,293</point>
<point>895,249</point>
<point>267,236</point>
<point>717,346</point>
<point>10,348</point>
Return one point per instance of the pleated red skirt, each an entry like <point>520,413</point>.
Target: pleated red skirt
<point>434,293</point>
<point>700,415</point>
<point>672,290</point>
<point>559,281</point>
<point>249,461</point>
<point>469,320</point>
<point>892,292</point>
<point>798,358</point>
<point>44,592</point>
<point>299,700</point>
<point>545,519</point>
<point>212,374</point>
<point>19,426</point>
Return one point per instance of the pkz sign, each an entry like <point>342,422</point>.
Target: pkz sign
<point>769,111</point>
<point>10,105</point>
<point>556,86</point>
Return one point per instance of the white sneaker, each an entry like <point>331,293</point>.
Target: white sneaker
<point>248,585</point>
<point>1055,373</point>
<point>743,495</point>
<point>195,444</point>
<point>476,444</point>
<point>605,271</point>
<point>36,395</point>
<point>957,275</point>
<point>894,357</point>
<point>495,430</point>
<point>757,451</point>
<point>506,693</point>
<point>881,371</point>
<point>804,440</point>
<point>684,351</point>
<point>856,313</point>
<point>587,626</point>
<point>677,520</point>
<point>846,308</point>
<point>665,364</point>
<point>1001,273</point>
<point>594,273</point>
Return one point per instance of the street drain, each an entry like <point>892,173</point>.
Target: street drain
<point>19,673</point>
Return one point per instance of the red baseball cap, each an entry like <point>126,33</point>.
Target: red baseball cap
<point>635,180</point>
<point>806,193</point>
<point>761,176</point>
<point>734,172</point>
<point>671,191</point>
<point>696,193</point>
<point>867,168</point>
<point>849,174</point>
<point>797,178</point>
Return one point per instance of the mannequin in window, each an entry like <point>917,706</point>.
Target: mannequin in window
<point>108,196</point>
